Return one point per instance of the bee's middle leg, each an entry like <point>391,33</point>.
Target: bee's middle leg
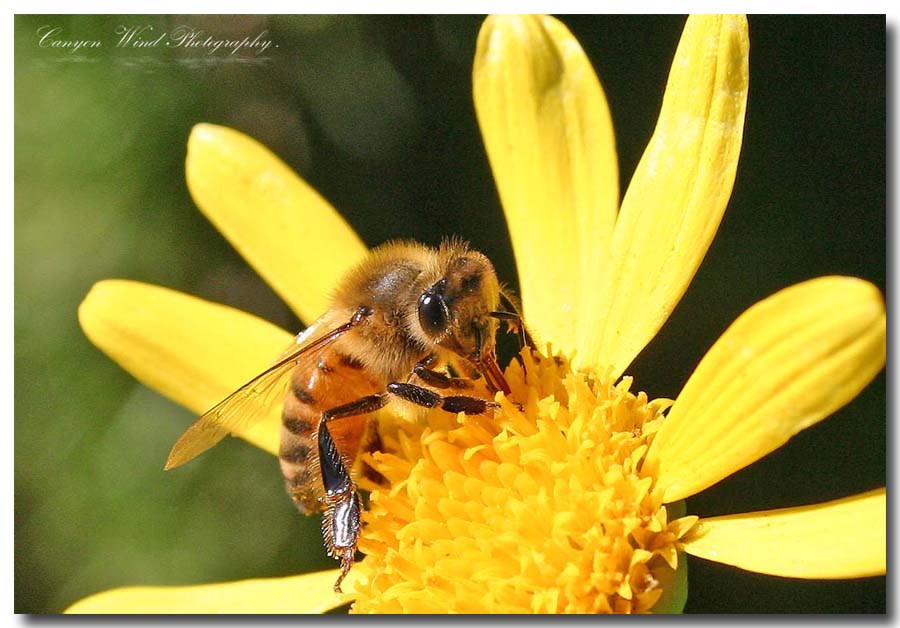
<point>422,396</point>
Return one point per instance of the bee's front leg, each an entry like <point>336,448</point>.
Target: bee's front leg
<point>426,374</point>
<point>511,314</point>
<point>341,523</point>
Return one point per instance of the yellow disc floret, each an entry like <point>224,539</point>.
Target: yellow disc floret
<point>540,508</point>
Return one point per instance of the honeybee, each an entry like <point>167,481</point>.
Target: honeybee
<point>407,321</point>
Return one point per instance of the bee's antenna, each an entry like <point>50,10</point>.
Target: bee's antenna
<point>513,318</point>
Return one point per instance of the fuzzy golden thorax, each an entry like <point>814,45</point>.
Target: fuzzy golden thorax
<point>426,302</point>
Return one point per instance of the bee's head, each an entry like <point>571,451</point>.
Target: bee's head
<point>455,311</point>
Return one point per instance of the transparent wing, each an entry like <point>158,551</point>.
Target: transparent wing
<point>248,404</point>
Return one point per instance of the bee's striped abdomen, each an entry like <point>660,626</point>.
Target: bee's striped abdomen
<point>316,386</point>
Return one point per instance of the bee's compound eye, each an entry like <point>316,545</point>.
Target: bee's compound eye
<point>433,315</point>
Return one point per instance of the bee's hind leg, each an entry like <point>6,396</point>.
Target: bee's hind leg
<point>341,523</point>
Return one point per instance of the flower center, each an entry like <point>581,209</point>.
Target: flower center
<point>540,509</point>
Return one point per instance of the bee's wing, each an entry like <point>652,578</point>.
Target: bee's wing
<point>248,404</point>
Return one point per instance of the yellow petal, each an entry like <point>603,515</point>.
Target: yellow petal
<point>785,364</point>
<point>845,538</point>
<point>284,229</point>
<point>190,350</point>
<point>549,137</point>
<point>308,593</point>
<point>678,193</point>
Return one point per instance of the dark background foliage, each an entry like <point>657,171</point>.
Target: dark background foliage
<point>376,113</point>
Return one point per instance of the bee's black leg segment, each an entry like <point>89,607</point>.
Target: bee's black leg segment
<point>469,405</point>
<point>340,525</point>
<point>430,399</point>
<point>363,405</point>
<point>334,473</point>
<point>438,379</point>
<point>415,394</point>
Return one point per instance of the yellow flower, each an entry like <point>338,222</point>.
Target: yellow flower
<point>569,501</point>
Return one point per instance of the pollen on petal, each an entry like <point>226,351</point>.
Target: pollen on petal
<point>541,508</point>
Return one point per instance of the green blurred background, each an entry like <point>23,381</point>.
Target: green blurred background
<point>376,113</point>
